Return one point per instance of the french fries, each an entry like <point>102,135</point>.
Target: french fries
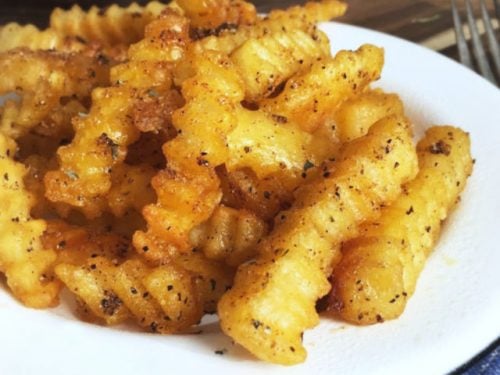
<point>296,258</point>
<point>309,97</point>
<point>379,269</point>
<point>24,261</point>
<point>167,161</point>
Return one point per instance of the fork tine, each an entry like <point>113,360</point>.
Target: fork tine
<point>492,40</point>
<point>463,50</point>
<point>477,45</point>
<point>497,9</point>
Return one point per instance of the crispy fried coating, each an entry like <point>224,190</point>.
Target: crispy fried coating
<point>309,98</point>
<point>207,16</point>
<point>380,268</point>
<point>108,26</point>
<point>103,135</point>
<point>296,258</point>
<point>266,62</point>
<point>131,188</point>
<point>112,286</point>
<point>302,18</point>
<point>24,261</point>
<point>229,235</point>
<point>14,35</point>
<point>43,79</point>
<point>242,189</point>
<point>188,189</point>
<point>355,116</point>
<point>36,166</point>
<point>269,145</point>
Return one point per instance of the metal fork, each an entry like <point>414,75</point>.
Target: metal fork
<point>480,55</point>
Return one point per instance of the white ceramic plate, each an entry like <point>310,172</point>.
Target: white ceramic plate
<point>454,314</point>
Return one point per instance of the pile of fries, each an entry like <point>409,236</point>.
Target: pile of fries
<point>166,161</point>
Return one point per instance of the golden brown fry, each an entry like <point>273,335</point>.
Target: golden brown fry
<point>102,137</point>
<point>302,18</point>
<point>296,258</point>
<point>206,16</point>
<point>310,97</point>
<point>13,35</point>
<point>43,79</point>
<point>355,116</point>
<point>270,145</point>
<point>131,188</point>
<point>242,189</point>
<point>266,62</point>
<point>110,26</point>
<point>188,190</point>
<point>36,166</point>
<point>24,261</point>
<point>379,269</point>
<point>229,235</point>
<point>112,287</point>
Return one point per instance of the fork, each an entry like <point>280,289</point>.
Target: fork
<point>480,55</point>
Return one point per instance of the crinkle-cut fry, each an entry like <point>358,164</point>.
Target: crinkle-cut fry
<point>131,188</point>
<point>380,268</point>
<point>269,145</point>
<point>57,123</point>
<point>310,97</point>
<point>114,288</point>
<point>36,166</point>
<point>355,116</point>
<point>188,189</point>
<point>296,258</point>
<point>229,235</point>
<point>102,137</point>
<point>108,26</point>
<point>266,62</point>
<point>263,197</point>
<point>208,15</point>
<point>212,279</point>
<point>24,261</point>
<point>297,17</point>
<point>42,79</point>
<point>14,35</point>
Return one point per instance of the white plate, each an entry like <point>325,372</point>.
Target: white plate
<point>454,314</point>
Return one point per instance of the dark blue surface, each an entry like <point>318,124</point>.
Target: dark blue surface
<point>485,363</point>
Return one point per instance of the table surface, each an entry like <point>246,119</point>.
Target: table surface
<point>426,22</point>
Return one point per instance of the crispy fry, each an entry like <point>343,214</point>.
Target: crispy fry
<point>112,287</point>
<point>13,35</point>
<point>379,270</point>
<point>42,79</point>
<point>131,188</point>
<point>110,26</point>
<point>264,197</point>
<point>302,18</point>
<point>188,190</point>
<point>23,259</point>
<point>229,235</point>
<point>102,136</point>
<point>296,258</point>
<point>355,116</point>
<point>266,62</point>
<point>310,97</point>
<point>206,16</point>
